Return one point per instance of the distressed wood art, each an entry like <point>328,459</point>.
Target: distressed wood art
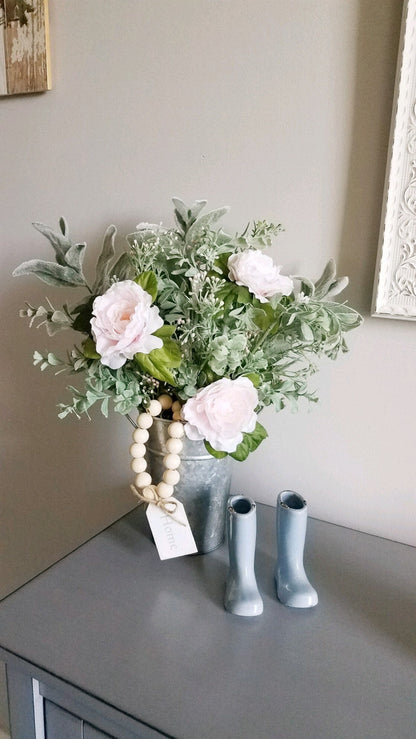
<point>395,280</point>
<point>24,47</point>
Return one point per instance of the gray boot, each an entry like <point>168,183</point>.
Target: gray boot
<point>293,587</point>
<point>241,593</point>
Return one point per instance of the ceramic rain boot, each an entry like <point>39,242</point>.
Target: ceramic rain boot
<point>293,587</point>
<point>242,597</point>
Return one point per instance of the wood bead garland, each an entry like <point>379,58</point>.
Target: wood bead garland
<point>172,477</point>
<point>176,430</point>
<point>138,464</point>
<point>171,461</point>
<point>154,408</point>
<point>163,491</point>
<point>137,450</point>
<point>165,401</point>
<point>141,436</point>
<point>144,420</point>
<point>143,479</point>
<point>174,446</point>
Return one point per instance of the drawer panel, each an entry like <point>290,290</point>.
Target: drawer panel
<point>60,724</point>
<point>98,720</point>
<point>90,732</point>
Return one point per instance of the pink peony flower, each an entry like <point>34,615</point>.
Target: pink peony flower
<point>221,412</point>
<point>123,323</point>
<point>256,270</point>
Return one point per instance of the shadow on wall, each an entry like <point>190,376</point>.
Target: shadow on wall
<point>377,44</point>
<point>62,480</point>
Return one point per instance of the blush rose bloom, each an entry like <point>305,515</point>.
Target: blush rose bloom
<point>221,412</point>
<point>123,323</point>
<point>257,271</point>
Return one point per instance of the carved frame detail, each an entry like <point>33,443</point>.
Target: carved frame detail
<point>395,279</point>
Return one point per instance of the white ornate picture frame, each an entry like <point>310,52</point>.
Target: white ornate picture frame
<point>395,280</point>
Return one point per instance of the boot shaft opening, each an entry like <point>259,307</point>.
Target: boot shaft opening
<point>292,500</point>
<point>241,505</point>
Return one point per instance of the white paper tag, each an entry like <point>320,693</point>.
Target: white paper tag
<point>172,539</point>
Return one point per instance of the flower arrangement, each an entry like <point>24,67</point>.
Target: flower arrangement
<point>196,313</point>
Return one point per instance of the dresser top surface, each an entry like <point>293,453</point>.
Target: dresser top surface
<point>152,638</point>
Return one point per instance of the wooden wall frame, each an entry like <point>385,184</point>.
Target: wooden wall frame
<point>24,46</point>
<point>394,293</point>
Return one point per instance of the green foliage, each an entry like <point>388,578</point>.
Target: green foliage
<point>83,315</point>
<point>54,320</point>
<point>148,281</point>
<point>213,328</point>
<point>250,443</point>
<point>159,362</point>
<point>215,453</point>
<point>89,350</point>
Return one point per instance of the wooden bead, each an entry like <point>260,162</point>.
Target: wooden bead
<point>141,436</point>
<point>143,479</point>
<point>175,430</point>
<point>165,401</point>
<point>176,406</point>
<point>137,450</point>
<point>164,490</point>
<point>176,416</point>
<point>138,465</point>
<point>174,446</point>
<point>171,461</point>
<point>171,477</point>
<point>154,408</point>
<point>144,420</point>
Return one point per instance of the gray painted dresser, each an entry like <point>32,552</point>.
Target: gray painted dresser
<point>111,641</point>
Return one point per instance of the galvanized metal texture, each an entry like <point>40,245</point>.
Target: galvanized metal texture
<point>203,488</point>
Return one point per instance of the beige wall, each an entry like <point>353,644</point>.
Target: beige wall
<point>279,109</point>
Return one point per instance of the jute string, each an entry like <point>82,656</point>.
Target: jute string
<point>167,505</point>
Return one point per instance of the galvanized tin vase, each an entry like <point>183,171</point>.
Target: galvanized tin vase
<point>203,488</point>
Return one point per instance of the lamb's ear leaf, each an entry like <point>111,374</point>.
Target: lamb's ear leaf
<point>187,215</point>
<point>123,268</point>
<point>75,257</point>
<point>337,286</point>
<point>197,206</point>
<point>63,225</point>
<point>103,268</point>
<point>206,221</point>
<point>326,279</point>
<point>347,317</point>
<point>181,208</point>
<point>51,273</point>
<point>59,241</point>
